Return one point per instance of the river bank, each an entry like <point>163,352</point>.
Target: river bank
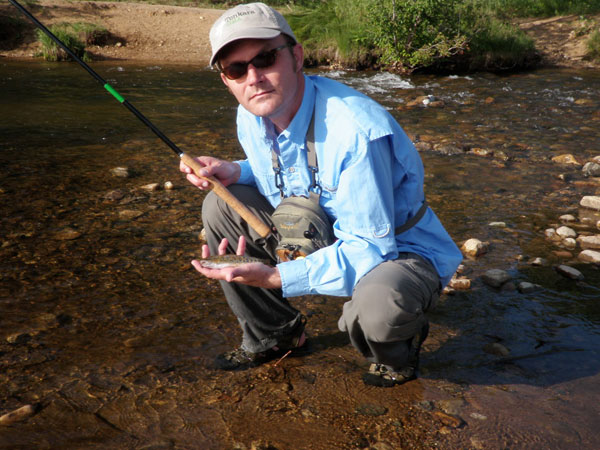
<point>143,32</point>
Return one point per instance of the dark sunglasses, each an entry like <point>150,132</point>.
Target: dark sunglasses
<point>261,61</point>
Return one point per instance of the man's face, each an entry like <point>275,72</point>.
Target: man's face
<point>274,92</point>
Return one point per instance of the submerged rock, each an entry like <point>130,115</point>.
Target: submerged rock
<point>566,159</point>
<point>496,277</point>
<point>569,272</point>
<point>591,169</point>
<point>67,234</point>
<point>122,172</point>
<point>474,247</point>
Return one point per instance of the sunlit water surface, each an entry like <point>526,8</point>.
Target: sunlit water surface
<point>99,307</point>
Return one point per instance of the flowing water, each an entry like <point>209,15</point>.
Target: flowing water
<point>107,331</point>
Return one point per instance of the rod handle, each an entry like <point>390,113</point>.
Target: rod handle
<point>218,188</point>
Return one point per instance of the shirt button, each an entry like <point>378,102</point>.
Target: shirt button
<point>292,169</point>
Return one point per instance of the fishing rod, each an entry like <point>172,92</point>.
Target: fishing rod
<point>252,220</point>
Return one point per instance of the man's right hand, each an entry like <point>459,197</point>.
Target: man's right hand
<point>226,172</point>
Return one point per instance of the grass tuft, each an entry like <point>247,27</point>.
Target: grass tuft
<point>75,36</point>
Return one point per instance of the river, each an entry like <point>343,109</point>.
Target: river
<point>108,333</point>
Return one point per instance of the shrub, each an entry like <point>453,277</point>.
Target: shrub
<point>593,45</point>
<point>52,52</point>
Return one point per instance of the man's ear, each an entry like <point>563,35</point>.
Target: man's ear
<point>225,81</point>
<point>298,53</point>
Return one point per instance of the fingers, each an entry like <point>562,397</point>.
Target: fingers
<point>205,251</point>
<point>241,249</point>
<point>223,246</point>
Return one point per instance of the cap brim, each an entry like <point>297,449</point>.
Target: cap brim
<point>261,33</point>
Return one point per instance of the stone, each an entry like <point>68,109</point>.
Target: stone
<point>589,242</point>
<point>566,159</point>
<point>496,349</point>
<point>569,272</point>
<point>591,202</point>
<point>569,242</point>
<point>567,218</point>
<point>524,287</point>
<point>114,196</point>
<point>590,256</point>
<point>67,234</point>
<point>18,415</point>
<point>495,277</point>
<point>474,247</point>
<point>481,151</point>
<point>566,232</point>
<point>538,261</point>
<point>497,224</point>
<point>168,186</point>
<point>591,169</point>
<point>151,187</point>
<point>460,284</point>
<point>122,172</point>
<point>130,214</point>
<point>550,233</point>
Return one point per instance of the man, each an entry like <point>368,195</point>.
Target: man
<point>370,179</point>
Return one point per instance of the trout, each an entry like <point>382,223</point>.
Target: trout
<point>222,261</point>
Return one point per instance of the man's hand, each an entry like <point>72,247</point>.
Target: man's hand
<point>252,274</point>
<point>226,172</point>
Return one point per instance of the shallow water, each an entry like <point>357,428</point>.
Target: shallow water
<point>106,328</point>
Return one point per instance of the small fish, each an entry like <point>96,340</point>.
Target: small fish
<point>222,261</point>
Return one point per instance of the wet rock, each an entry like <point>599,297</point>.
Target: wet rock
<point>489,100</point>
<point>569,272</point>
<point>591,169</point>
<point>566,159</point>
<point>369,409</point>
<point>538,261</point>
<point>151,187</point>
<point>569,242</point>
<point>590,256</point>
<point>452,406</point>
<point>478,416</point>
<point>460,284</point>
<point>168,186</point>
<point>591,202</point>
<point>589,242</point>
<point>563,254</point>
<point>495,277</point>
<point>481,151</point>
<point>497,224</point>
<point>67,234</point>
<point>497,349</point>
<point>550,233</point>
<point>448,149</point>
<point>448,420</point>
<point>18,338</point>
<point>121,172</point>
<point>474,247</point>
<point>567,218</point>
<point>566,232</point>
<point>423,146</point>
<point>18,415</point>
<point>524,287</point>
<point>130,214</point>
<point>114,196</point>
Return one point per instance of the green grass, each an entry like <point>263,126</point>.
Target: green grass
<point>70,35</point>
<point>593,45</point>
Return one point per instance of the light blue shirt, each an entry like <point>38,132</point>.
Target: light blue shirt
<point>372,181</point>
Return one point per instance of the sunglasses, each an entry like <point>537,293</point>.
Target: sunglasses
<point>261,61</point>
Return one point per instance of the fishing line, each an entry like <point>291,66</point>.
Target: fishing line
<point>258,226</point>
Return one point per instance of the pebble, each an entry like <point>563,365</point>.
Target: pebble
<point>368,409</point>
<point>475,247</point>
<point>151,187</point>
<point>452,406</point>
<point>590,256</point>
<point>566,159</point>
<point>566,232</point>
<point>168,186</point>
<point>524,287</point>
<point>18,415</point>
<point>538,261</point>
<point>498,224</point>
<point>589,242</point>
<point>569,242</point>
<point>478,416</point>
<point>114,196</point>
<point>67,234</point>
<point>497,349</point>
<point>448,420</point>
<point>130,214</point>
<point>591,202</point>
<point>460,284</point>
<point>591,169</point>
<point>567,218</point>
<point>122,172</point>
<point>569,272</point>
<point>495,277</point>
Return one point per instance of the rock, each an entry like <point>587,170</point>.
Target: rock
<point>566,232</point>
<point>423,146</point>
<point>369,409</point>
<point>550,233</point>
<point>489,100</point>
<point>590,256</point>
<point>130,214</point>
<point>591,202</point>
<point>481,151</point>
<point>567,218</point>
<point>537,261</point>
<point>569,272</point>
<point>589,242</point>
<point>564,254</point>
<point>566,159</point>
<point>67,234</point>
<point>460,284</point>
<point>524,287</point>
<point>122,172</point>
<point>478,416</point>
<point>496,349</point>
<point>151,187</point>
<point>474,247</point>
<point>448,420</point>
<point>18,415</point>
<point>18,338</point>
<point>168,186</point>
<point>495,277</point>
<point>591,169</point>
<point>497,224</point>
<point>569,242</point>
<point>448,149</point>
<point>452,406</point>
<point>114,196</point>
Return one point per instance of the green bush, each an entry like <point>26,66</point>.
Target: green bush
<point>593,45</point>
<point>542,8</point>
<point>52,52</point>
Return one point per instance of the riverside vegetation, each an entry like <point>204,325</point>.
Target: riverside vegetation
<point>400,35</point>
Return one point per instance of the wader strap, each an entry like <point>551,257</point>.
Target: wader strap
<point>413,220</point>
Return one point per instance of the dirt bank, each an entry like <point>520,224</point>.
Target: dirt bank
<point>142,32</point>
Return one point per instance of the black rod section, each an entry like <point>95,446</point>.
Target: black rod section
<point>100,80</point>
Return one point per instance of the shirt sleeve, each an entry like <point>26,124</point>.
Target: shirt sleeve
<point>364,228</point>
<point>246,175</point>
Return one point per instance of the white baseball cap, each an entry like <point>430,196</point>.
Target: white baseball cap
<point>250,21</point>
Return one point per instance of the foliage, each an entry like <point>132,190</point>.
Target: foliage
<point>541,8</point>
<point>416,33</point>
<point>593,45</point>
<point>65,33</point>
<point>11,28</point>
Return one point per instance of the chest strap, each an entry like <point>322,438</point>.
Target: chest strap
<point>413,220</point>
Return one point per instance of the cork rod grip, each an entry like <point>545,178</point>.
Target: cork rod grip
<point>254,222</point>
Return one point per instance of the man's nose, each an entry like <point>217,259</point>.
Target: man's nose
<point>253,74</point>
